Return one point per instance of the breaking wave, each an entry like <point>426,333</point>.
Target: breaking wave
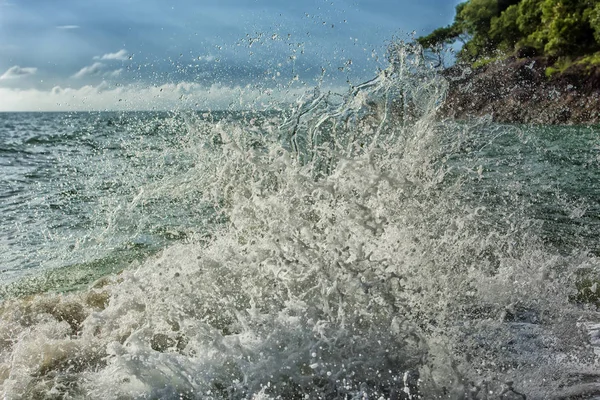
<point>364,249</point>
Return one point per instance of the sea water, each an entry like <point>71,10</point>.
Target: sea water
<point>340,246</point>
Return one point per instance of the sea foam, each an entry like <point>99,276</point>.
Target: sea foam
<point>354,259</point>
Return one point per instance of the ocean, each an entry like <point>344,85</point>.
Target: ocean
<point>339,246</point>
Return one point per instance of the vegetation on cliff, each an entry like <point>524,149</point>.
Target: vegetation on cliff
<point>527,61</point>
<point>559,29</point>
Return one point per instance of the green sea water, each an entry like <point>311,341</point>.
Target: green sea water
<point>85,194</point>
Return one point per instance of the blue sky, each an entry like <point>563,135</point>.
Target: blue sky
<point>134,54</point>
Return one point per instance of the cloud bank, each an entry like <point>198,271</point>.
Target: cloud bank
<point>18,72</point>
<point>91,70</point>
<point>180,96</point>
<point>114,74</point>
<point>120,55</point>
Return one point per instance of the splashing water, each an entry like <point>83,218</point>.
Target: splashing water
<point>363,253</point>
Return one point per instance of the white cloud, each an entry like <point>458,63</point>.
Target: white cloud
<point>90,70</point>
<point>105,96</point>
<point>17,72</point>
<point>119,55</point>
<point>68,27</point>
<point>114,74</point>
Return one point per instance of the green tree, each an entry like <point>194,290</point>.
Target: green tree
<point>529,20</point>
<point>564,29</point>
<point>504,31</point>
<point>504,4</point>
<point>476,15</point>
<point>447,34</point>
<point>554,27</point>
<point>592,15</point>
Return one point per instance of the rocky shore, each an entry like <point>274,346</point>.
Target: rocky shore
<point>518,90</point>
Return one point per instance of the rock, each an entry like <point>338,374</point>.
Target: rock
<point>517,90</point>
<point>526,52</point>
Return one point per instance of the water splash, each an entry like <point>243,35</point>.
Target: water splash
<point>360,254</point>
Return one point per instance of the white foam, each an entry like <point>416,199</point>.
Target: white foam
<point>353,263</point>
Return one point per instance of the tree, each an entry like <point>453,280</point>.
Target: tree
<point>529,20</point>
<point>504,31</point>
<point>476,15</point>
<point>563,28</point>
<point>447,34</point>
<point>592,15</point>
<point>504,4</point>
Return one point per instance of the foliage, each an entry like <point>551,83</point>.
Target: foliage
<point>477,15</point>
<point>562,64</point>
<point>564,28</point>
<point>592,15</point>
<point>590,60</point>
<point>505,28</point>
<point>447,34</point>
<point>556,28</point>
<point>482,62</point>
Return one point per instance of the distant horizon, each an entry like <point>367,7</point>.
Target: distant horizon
<point>134,111</point>
<point>169,97</point>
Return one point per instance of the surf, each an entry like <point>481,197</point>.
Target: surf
<point>359,247</point>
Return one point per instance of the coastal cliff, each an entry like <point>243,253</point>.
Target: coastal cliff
<point>520,90</point>
<point>531,61</point>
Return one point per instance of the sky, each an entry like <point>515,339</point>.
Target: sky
<point>67,55</point>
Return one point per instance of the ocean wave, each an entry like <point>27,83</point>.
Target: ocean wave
<point>360,253</point>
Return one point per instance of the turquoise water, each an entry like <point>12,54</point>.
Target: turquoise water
<point>330,249</point>
<point>75,186</point>
<point>78,190</point>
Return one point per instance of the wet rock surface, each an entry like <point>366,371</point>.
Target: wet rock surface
<point>519,91</point>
